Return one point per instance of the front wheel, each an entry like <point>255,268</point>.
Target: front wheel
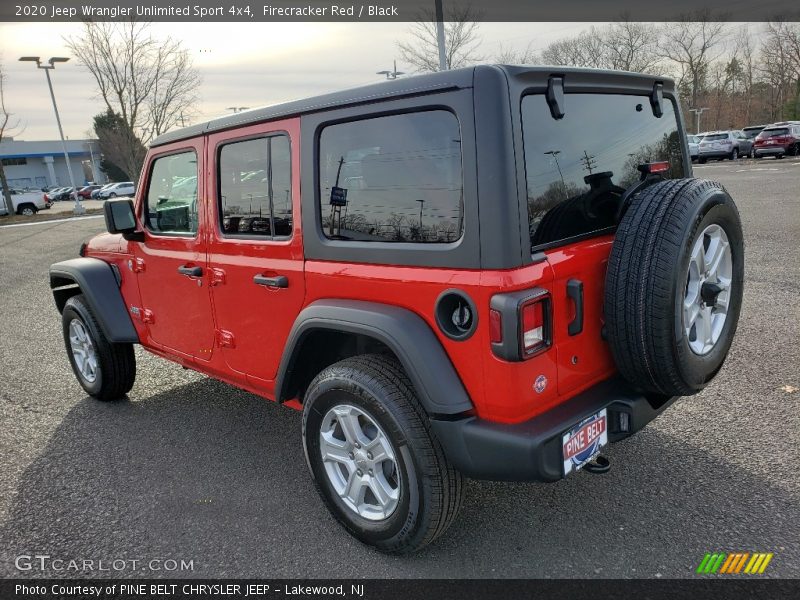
<point>104,369</point>
<point>376,464</point>
<point>112,195</point>
<point>734,154</point>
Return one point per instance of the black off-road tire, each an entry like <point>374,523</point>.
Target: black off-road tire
<point>646,283</point>
<point>431,490</point>
<point>116,370</point>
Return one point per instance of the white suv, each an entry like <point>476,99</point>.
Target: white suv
<point>126,188</point>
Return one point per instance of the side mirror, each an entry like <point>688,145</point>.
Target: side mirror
<point>120,218</point>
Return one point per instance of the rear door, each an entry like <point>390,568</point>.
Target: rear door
<point>171,262</point>
<point>577,168</point>
<point>256,247</point>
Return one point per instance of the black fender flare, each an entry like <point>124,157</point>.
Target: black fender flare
<point>438,386</point>
<point>99,285</point>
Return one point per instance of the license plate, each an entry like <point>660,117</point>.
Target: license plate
<point>584,441</point>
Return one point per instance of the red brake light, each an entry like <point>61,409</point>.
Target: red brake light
<point>654,167</point>
<point>495,327</point>
<point>533,327</point>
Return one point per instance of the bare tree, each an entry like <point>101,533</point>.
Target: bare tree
<point>630,46</point>
<point>150,83</point>
<point>462,40</point>
<point>583,50</point>
<point>7,124</point>
<point>510,56</point>
<point>692,44</point>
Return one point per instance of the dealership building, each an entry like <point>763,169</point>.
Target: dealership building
<point>40,164</point>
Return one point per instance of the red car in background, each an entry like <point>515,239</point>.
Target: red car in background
<point>86,191</point>
<point>778,140</point>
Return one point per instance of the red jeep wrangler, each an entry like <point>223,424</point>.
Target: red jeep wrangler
<point>491,272</point>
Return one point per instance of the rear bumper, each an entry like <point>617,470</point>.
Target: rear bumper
<point>715,153</point>
<point>770,151</point>
<point>531,451</point>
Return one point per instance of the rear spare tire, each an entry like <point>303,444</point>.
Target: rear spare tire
<point>674,286</point>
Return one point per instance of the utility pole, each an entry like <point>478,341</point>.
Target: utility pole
<point>440,36</point>
<point>588,161</point>
<point>79,209</point>
<point>421,205</point>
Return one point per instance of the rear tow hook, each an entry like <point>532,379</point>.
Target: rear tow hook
<point>598,466</point>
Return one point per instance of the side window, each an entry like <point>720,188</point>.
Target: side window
<point>395,178</point>
<point>255,188</point>
<point>172,195</point>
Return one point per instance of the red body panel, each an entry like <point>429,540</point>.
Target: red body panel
<point>223,324</point>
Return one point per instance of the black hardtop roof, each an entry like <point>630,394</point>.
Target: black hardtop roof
<point>404,86</point>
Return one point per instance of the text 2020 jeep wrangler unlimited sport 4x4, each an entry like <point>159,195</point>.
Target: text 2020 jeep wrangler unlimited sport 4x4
<point>491,272</point>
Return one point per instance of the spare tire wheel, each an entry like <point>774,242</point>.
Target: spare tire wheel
<point>674,286</point>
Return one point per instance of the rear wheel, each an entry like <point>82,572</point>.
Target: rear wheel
<point>27,209</point>
<point>378,467</point>
<point>674,286</point>
<point>104,369</point>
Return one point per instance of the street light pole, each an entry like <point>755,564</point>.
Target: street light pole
<point>79,209</point>
<point>440,36</point>
<point>697,112</point>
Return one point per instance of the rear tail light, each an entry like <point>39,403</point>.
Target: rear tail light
<point>533,325</point>
<point>520,324</point>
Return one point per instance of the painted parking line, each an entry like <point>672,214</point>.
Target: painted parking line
<point>48,222</point>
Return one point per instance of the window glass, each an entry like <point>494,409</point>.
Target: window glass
<point>578,167</point>
<point>716,137</point>
<point>255,188</point>
<point>395,178</point>
<point>172,195</point>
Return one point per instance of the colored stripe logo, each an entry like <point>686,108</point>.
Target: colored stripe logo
<point>734,563</point>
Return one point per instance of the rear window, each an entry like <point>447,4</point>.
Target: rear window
<point>767,133</point>
<point>716,137</point>
<point>394,178</point>
<point>578,167</point>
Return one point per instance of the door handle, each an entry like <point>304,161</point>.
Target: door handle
<point>575,292</point>
<point>279,281</point>
<point>190,271</point>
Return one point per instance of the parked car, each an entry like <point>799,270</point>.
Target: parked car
<point>126,188</point>
<point>753,130</point>
<point>86,191</point>
<point>23,203</point>
<point>442,298</point>
<point>694,146</point>
<point>778,140</point>
<point>53,193</point>
<point>96,193</point>
<point>725,144</point>
<point>62,194</point>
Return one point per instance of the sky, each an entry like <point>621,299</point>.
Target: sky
<point>241,64</point>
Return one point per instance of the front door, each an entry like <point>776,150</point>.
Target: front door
<point>255,245</point>
<point>171,262</point>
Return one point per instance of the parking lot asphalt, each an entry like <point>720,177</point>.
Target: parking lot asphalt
<point>189,468</point>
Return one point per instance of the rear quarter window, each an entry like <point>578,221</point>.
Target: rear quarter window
<point>394,178</point>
